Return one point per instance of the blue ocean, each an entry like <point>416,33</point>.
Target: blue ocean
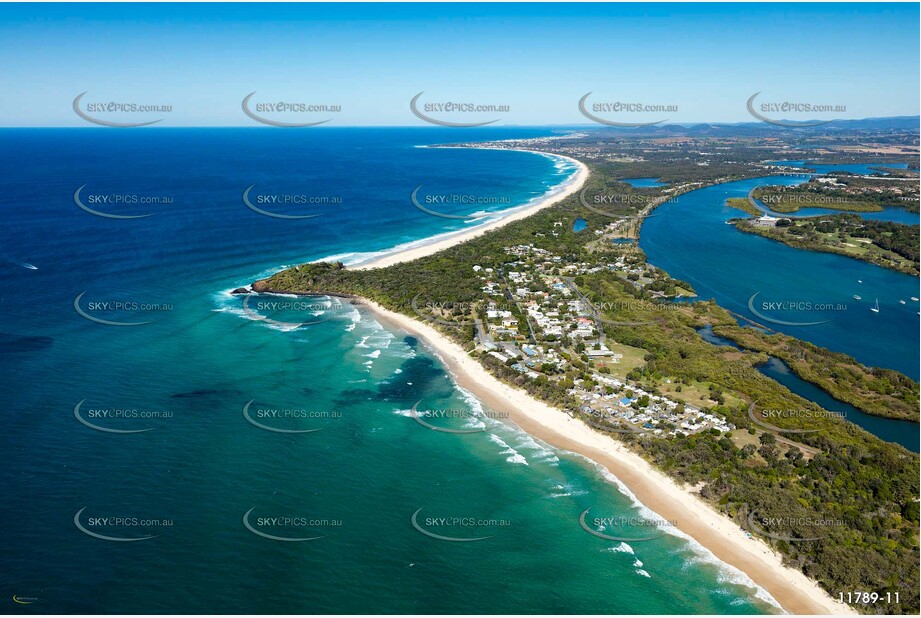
<point>207,460</point>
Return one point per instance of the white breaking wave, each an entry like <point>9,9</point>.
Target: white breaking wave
<point>526,441</point>
<point>240,313</point>
<point>513,456</point>
<point>229,303</point>
<point>726,572</point>
<point>481,218</point>
<point>520,439</point>
<point>622,548</point>
<point>566,491</point>
<point>355,315</point>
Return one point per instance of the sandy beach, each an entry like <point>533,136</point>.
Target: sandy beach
<point>714,531</point>
<point>574,184</point>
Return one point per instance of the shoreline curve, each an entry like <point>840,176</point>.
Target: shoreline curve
<point>573,184</point>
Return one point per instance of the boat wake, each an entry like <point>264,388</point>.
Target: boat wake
<point>23,264</point>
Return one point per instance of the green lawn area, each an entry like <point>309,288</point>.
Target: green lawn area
<point>632,358</point>
<point>857,246</point>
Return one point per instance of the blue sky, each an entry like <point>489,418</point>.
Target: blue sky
<point>538,59</point>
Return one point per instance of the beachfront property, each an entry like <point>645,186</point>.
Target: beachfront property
<point>534,322</point>
<point>620,404</point>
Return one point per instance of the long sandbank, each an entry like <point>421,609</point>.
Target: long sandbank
<point>573,183</point>
<point>717,533</point>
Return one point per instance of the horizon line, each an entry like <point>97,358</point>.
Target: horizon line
<point>685,124</point>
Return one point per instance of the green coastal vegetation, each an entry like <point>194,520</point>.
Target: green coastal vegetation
<point>864,489</point>
<point>841,192</point>
<point>788,202</point>
<point>874,390</point>
<point>895,172</point>
<point>884,243</point>
<point>743,204</point>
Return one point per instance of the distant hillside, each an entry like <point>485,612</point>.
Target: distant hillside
<point>756,128</point>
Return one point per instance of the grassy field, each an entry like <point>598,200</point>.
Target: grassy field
<point>632,358</point>
<point>829,242</point>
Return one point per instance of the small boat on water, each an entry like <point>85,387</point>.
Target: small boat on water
<point>856,297</point>
<point>24,264</point>
<point>914,298</point>
<point>876,308</point>
<point>901,302</point>
<point>860,281</point>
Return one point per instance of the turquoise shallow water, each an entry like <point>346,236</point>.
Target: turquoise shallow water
<point>187,377</point>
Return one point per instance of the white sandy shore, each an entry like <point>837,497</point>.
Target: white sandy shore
<point>717,533</point>
<point>573,184</point>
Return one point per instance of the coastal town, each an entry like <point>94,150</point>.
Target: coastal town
<point>536,318</point>
<point>560,318</point>
<point>414,310</point>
